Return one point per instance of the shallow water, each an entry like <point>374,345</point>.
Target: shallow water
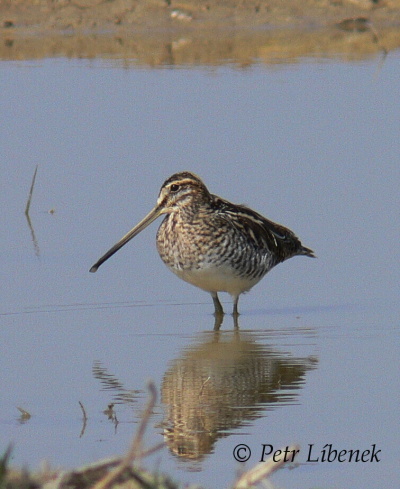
<point>314,146</point>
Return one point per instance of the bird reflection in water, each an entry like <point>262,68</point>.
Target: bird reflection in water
<point>223,382</point>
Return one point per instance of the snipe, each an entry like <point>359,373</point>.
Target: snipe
<point>211,243</point>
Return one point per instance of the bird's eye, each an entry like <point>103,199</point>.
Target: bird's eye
<point>174,187</point>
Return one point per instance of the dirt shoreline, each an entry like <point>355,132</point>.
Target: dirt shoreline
<point>159,32</point>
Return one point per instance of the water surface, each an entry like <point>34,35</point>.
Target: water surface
<point>314,146</point>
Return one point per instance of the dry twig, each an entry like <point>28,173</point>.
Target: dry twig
<point>135,452</point>
<point>261,471</point>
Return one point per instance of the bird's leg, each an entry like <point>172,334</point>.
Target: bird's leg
<point>217,305</point>
<point>218,313</point>
<point>218,321</point>
<point>235,306</point>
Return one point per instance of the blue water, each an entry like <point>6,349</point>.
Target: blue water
<point>314,146</point>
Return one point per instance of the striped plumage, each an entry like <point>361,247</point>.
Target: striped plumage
<point>212,243</point>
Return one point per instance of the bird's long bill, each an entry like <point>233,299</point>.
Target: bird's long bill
<point>151,216</point>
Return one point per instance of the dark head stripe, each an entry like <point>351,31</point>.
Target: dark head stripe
<point>182,178</point>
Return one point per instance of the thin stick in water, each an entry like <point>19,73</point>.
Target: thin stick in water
<point>28,204</point>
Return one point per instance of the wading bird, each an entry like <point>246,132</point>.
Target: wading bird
<point>210,242</point>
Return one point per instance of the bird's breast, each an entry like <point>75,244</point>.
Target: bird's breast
<point>213,258</point>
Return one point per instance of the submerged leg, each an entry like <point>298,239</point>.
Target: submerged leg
<point>217,305</point>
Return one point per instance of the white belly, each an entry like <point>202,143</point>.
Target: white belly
<point>217,280</point>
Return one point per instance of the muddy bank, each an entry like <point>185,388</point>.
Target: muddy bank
<point>158,32</point>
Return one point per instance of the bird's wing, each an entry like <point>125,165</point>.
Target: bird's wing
<point>265,234</point>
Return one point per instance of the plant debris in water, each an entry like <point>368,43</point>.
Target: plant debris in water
<point>120,472</point>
